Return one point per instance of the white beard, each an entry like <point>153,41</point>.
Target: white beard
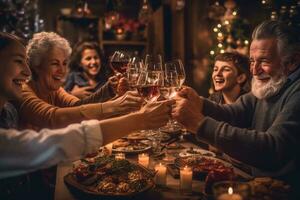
<point>264,90</point>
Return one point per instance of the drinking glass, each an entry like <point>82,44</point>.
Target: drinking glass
<point>153,63</point>
<point>135,67</point>
<point>119,62</point>
<point>148,85</point>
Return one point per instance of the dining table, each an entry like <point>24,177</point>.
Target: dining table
<point>170,191</point>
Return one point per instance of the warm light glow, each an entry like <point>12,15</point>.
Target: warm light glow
<point>230,190</point>
<point>234,13</point>
<point>246,42</point>
<point>220,34</point>
<point>119,31</point>
<point>226,22</point>
<point>220,45</point>
<point>219,25</point>
<point>263,2</point>
<point>212,53</point>
<point>216,29</point>
<point>222,51</point>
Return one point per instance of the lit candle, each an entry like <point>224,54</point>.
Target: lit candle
<point>186,177</point>
<point>120,156</point>
<point>161,174</point>
<point>230,195</point>
<point>109,148</point>
<point>144,159</point>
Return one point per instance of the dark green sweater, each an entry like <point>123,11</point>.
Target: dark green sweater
<point>262,133</point>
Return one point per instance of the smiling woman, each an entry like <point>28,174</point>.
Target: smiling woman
<point>12,54</point>
<point>87,71</point>
<point>45,104</point>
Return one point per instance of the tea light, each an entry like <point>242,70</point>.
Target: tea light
<point>144,159</point>
<point>186,177</point>
<point>161,174</point>
<point>109,148</point>
<point>230,195</point>
<point>120,156</point>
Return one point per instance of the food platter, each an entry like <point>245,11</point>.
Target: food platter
<point>108,177</point>
<point>202,165</point>
<point>196,152</point>
<point>131,146</point>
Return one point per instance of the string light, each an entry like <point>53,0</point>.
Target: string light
<point>220,34</point>
<point>226,22</point>
<point>220,45</point>
<point>212,52</point>
<point>246,42</point>
<point>219,25</point>
<point>222,51</point>
<point>263,2</point>
<point>216,29</point>
<point>234,13</point>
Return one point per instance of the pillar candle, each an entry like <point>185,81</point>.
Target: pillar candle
<point>161,174</point>
<point>186,177</point>
<point>230,195</point>
<point>144,159</point>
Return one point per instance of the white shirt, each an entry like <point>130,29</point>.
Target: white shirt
<point>25,151</point>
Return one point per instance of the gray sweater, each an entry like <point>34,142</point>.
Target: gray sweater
<point>262,133</point>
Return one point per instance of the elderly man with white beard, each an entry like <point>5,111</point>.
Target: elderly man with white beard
<point>262,128</point>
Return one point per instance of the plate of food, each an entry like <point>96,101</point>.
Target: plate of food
<point>269,188</point>
<point>202,165</point>
<point>196,152</point>
<point>136,136</point>
<point>131,146</point>
<point>108,177</point>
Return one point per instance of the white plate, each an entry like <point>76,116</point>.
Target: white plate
<point>196,152</point>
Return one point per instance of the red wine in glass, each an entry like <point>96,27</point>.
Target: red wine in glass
<point>119,66</point>
<point>148,91</point>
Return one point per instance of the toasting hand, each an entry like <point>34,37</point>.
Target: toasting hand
<point>188,109</point>
<point>130,101</point>
<point>82,92</point>
<point>156,114</point>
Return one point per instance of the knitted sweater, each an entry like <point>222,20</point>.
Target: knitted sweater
<point>262,133</point>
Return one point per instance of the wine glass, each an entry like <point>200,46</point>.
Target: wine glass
<point>148,85</point>
<point>153,63</point>
<point>135,67</point>
<point>119,62</point>
<point>176,66</point>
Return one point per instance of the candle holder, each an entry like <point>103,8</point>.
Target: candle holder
<point>186,179</point>
<point>230,190</point>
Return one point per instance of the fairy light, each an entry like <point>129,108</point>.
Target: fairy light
<point>234,13</point>
<point>216,29</point>
<point>212,52</point>
<point>220,34</point>
<point>263,2</point>
<point>246,42</point>
<point>222,51</point>
<point>220,45</point>
<point>219,25</point>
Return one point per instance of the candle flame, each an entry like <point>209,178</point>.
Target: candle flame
<point>230,190</point>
